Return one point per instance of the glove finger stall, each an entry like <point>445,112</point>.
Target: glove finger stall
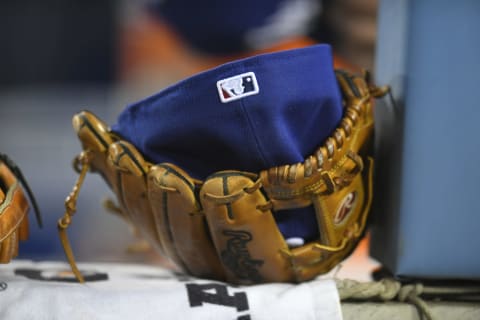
<point>132,171</point>
<point>95,137</point>
<point>181,223</point>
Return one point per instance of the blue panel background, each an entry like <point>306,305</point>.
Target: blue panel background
<point>436,228</point>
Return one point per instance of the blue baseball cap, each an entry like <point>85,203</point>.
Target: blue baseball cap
<point>249,115</point>
<point>225,27</point>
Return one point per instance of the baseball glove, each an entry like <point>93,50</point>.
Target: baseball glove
<point>223,228</point>
<point>13,209</point>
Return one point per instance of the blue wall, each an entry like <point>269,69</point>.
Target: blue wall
<point>427,202</point>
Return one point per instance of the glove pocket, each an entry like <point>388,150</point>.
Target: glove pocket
<point>245,234</point>
<point>181,223</point>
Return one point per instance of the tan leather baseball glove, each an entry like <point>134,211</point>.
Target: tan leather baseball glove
<point>13,209</point>
<point>223,228</point>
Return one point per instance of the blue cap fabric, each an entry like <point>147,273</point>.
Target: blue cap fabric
<point>251,114</point>
<point>231,26</point>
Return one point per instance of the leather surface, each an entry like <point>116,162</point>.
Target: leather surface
<point>223,227</point>
<point>13,215</point>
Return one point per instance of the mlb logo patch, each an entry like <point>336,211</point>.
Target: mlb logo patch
<point>237,87</point>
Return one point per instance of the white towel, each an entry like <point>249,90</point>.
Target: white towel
<point>31,290</point>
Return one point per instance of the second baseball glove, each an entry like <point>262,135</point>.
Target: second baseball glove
<point>13,209</point>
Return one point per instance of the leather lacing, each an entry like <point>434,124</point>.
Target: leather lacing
<point>333,144</point>
<point>316,162</point>
<point>227,199</point>
<point>81,163</point>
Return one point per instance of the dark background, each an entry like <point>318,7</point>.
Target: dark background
<point>56,59</point>
<point>54,41</point>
